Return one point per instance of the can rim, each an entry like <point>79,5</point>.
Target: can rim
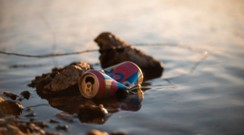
<point>81,87</point>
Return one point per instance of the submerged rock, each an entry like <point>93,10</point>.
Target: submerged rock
<point>92,114</point>
<point>60,79</point>
<point>113,51</point>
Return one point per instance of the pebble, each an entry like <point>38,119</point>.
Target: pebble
<point>53,121</point>
<point>26,94</point>
<point>62,127</point>
<point>65,116</point>
<point>31,114</point>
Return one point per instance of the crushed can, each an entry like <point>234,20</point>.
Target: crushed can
<point>107,82</point>
<point>95,84</point>
<point>127,73</point>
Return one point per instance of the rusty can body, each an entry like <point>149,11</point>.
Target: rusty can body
<point>127,73</point>
<point>95,84</point>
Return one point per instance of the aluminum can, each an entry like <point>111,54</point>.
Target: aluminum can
<point>96,84</point>
<point>127,73</point>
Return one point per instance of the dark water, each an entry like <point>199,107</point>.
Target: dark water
<point>201,91</point>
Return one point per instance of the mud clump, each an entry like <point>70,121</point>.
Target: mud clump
<point>60,79</point>
<point>113,50</point>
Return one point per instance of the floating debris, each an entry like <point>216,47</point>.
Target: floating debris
<point>113,51</point>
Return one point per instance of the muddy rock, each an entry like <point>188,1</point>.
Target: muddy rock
<point>60,79</point>
<point>8,107</point>
<point>114,50</point>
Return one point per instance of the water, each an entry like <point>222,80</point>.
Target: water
<point>201,90</point>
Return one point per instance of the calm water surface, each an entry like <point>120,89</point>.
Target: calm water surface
<point>201,90</point>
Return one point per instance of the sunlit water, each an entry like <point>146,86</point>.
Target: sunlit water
<point>201,90</point>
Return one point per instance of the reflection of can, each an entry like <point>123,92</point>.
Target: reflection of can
<point>133,101</point>
<point>95,84</point>
<point>127,73</point>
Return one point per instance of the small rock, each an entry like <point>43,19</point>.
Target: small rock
<point>97,132</point>
<point>65,116</point>
<point>25,94</point>
<point>11,95</point>
<point>53,121</point>
<point>8,107</point>
<point>118,133</point>
<point>31,114</point>
<point>14,130</point>
<point>62,127</point>
<point>41,124</point>
<point>28,109</point>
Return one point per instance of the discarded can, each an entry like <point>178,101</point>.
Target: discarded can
<point>127,73</point>
<point>95,84</point>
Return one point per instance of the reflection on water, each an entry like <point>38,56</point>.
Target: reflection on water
<point>199,93</point>
<point>72,102</point>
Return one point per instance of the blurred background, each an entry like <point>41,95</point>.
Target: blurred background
<point>200,43</point>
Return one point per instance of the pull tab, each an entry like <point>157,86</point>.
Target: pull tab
<point>88,88</point>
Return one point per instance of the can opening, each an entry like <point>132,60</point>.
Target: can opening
<point>89,85</point>
<point>89,79</point>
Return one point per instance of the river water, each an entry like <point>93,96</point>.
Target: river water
<point>200,43</point>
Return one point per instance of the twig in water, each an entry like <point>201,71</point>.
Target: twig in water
<point>93,50</point>
<point>47,55</point>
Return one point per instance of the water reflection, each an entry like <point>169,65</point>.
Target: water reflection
<point>92,111</point>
